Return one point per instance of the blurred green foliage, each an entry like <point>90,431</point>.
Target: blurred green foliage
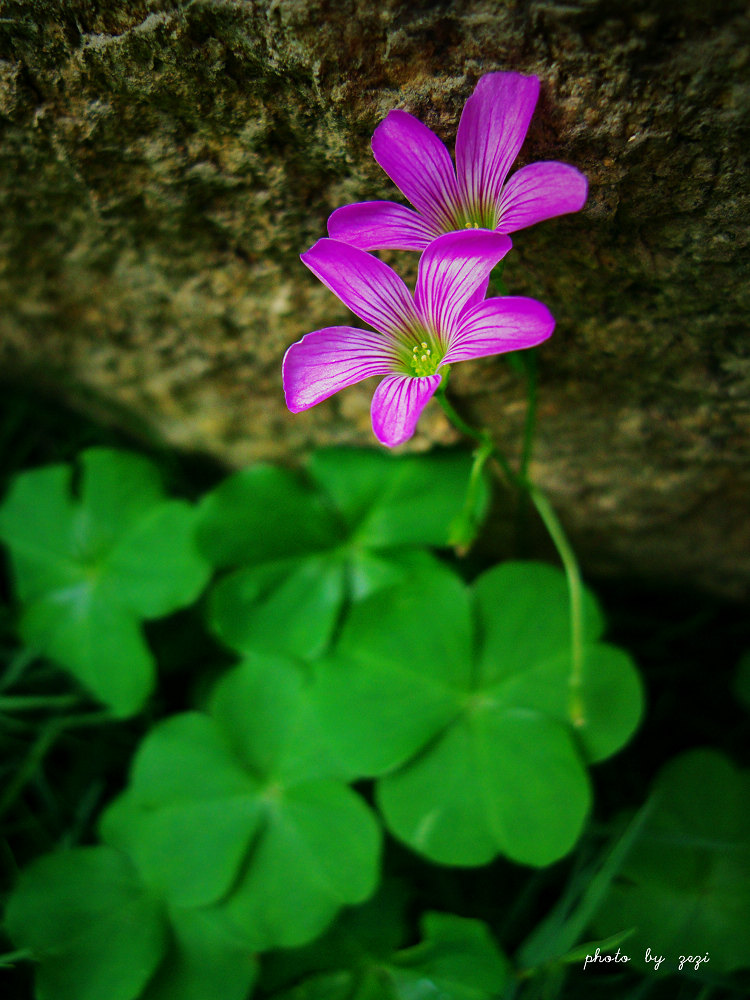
<point>362,710</point>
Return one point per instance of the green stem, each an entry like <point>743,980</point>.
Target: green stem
<point>560,541</point>
<point>11,957</point>
<point>32,703</point>
<point>41,747</point>
<point>457,420</point>
<point>464,529</point>
<point>29,767</point>
<point>575,601</point>
<point>16,667</point>
<point>482,436</point>
<point>466,525</point>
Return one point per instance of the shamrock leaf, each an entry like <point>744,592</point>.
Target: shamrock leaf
<point>684,885</point>
<point>308,546</point>
<point>88,570</point>
<point>261,514</point>
<point>190,812</point>
<point>387,501</point>
<point>361,937</point>
<point>239,805</point>
<point>205,950</point>
<point>96,930</point>
<point>287,606</point>
<point>458,700</point>
<point>456,960</point>
<point>91,925</point>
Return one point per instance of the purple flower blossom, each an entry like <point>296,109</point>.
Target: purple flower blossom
<point>491,132</point>
<point>416,337</point>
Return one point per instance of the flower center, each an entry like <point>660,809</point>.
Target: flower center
<point>478,216</point>
<point>423,360</point>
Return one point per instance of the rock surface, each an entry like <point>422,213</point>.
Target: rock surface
<point>162,164</point>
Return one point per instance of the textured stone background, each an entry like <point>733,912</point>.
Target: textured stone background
<point>162,164</point>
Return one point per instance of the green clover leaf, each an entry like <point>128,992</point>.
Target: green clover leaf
<point>684,885</point>
<point>387,501</point>
<point>497,781</point>
<point>457,959</point>
<point>238,807</point>
<point>190,813</point>
<point>457,699</point>
<point>361,936</point>
<point>205,951</point>
<point>262,514</point>
<point>90,923</point>
<point>307,546</point>
<point>89,570</point>
<point>96,930</point>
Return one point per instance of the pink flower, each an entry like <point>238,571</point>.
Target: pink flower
<point>416,337</point>
<point>493,126</point>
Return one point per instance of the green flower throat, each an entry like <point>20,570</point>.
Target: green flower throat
<point>424,360</point>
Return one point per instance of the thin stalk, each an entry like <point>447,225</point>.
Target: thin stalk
<point>11,957</point>
<point>454,417</point>
<point>41,747</point>
<point>575,600</point>
<point>32,703</point>
<point>29,767</point>
<point>560,541</point>
<point>16,667</point>
<point>465,526</point>
<point>479,435</point>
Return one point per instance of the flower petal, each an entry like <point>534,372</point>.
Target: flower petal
<point>540,191</point>
<point>493,126</point>
<point>325,361</point>
<point>419,165</point>
<point>372,290</point>
<point>381,225</point>
<point>478,295</point>
<point>451,270</point>
<point>397,405</point>
<point>499,325</point>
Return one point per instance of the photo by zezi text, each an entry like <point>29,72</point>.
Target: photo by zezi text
<point>690,960</point>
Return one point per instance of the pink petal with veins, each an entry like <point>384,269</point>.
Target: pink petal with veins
<point>499,325</point>
<point>381,225</point>
<point>331,359</point>
<point>372,290</point>
<point>538,192</point>
<point>397,405</point>
<point>451,270</point>
<point>491,132</point>
<point>419,165</point>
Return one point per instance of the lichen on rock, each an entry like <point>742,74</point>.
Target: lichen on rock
<point>162,165</point>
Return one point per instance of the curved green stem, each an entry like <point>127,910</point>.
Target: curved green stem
<point>575,600</point>
<point>454,417</point>
<point>556,532</point>
<point>33,703</point>
<point>465,527</point>
<point>479,435</point>
<point>44,742</point>
<point>29,766</point>
<point>11,957</point>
